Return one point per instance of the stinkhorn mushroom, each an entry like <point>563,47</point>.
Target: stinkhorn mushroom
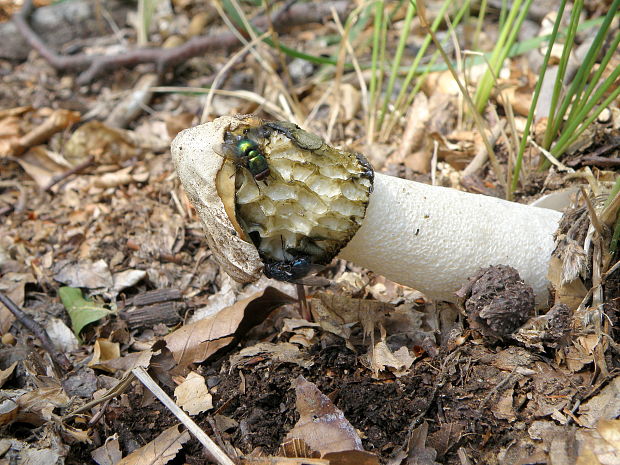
<point>273,197</point>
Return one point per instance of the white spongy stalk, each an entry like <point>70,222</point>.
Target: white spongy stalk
<point>433,238</point>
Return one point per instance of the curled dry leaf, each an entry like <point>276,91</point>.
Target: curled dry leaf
<point>160,450</point>
<point>196,342</point>
<point>397,362</point>
<point>42,165</point>
<point>103,351</point>
<point>108,145</point>
<point>321,424</point>
<point>108,454</point>
<point>604,406</point>
<point>192,395</point>
<point>283,352</point>
<point>7,373</point>
<point>87,274</point>
<point>34,407</point>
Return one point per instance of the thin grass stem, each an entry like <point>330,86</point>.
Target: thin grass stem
<point>411,9</point>
<point>530,117</point>
<point>574,91</point>
<point>563,64</point>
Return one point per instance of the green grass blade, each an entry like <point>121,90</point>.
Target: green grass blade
<point>530,117</point>
<point>413,68</point>
<point>559,79</point>
<point>579,124</point>
<point>575,89</point>
<point>398,56</point>
<point>486,83</point>
<point>594,81</point>
<point>374,78</point>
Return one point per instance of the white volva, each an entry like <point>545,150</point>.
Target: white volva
<point>433,238</point>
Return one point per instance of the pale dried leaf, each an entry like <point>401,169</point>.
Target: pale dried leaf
<point>610,432</point>
<point>321,424</point>
<point>109,453</point>
<point>196,342</point>
<point>603,406</point>
<point>503,408</point>
<point>600,446</point>
<point>103,351</point>
<point>42,164</point>
<point>91,275</point>
<point>36,407</point>
<point>160,450</point>
<point>124,279</point>
<point>61,335</point>
<point>283,352</point>
<point>7,373</point>
<point>382,358</point>
<point>108,145</point>
<point>297,448</point>
<point>192,395</point>
<point>571,293</point>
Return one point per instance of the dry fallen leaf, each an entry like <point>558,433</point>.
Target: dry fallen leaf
<point>108,145</point>
<point>192,395</point>
<point>103,351</point>
<point>600,446</point>
<point>7,373</point>
<point>283,352</point>
<point>603,406</point>
<point>381,358</point>
<point>196,342</point>
<point>321,424</point>
<point>160,450</point>
<point>419,453</point>
<point>13,285</point>
<point>85,274</point>
<point>109,453</point>
<point>43,165</point>
<point>33,407</point>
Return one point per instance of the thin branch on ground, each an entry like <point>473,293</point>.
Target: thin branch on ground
<point>218,454</point>
<point>76,169</point>
<point>93,66</point>
<point>58,357</point>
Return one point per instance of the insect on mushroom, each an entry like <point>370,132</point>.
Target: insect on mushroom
<point>294,271</point>
<point>246,152</point>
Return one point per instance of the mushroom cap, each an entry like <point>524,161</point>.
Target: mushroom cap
<point>208,179</point>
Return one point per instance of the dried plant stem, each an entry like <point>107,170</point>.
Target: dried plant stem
<point>59,358</point>
<point>218,454</point>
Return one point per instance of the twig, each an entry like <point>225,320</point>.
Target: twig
<point>510,378</point>
<point>164,59</point>
<point>58,357</point>
<point>218,454</point>
<point>76,169</point>
<point>482,154</point>
<point>116,391</point>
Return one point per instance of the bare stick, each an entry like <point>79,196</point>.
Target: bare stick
<point>76,169</point>
<point>218,454</point>
<point>58,357</point>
